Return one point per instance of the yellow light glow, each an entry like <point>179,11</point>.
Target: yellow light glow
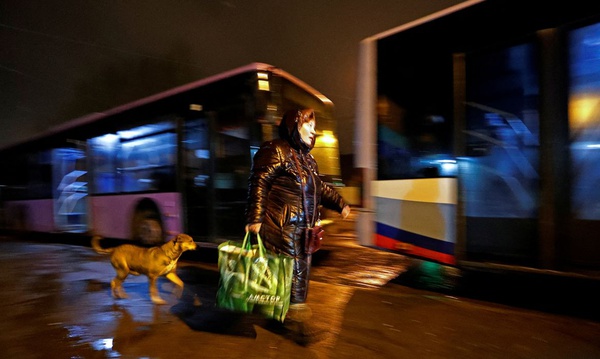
<point>263,85</point>
<point>583,110</point>
<point>263,75</point>
<point>327,138</point>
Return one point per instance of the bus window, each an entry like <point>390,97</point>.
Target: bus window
<point>414,114</point>
<point>584,121</point>
<point>502,118</point>
<point>148,163</point>
<point>103,151</point>
<point>70,189</point>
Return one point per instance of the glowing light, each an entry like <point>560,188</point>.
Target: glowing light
<point>585,145</point>
<point>107,141</point>
<point>145,130</point>
<point>139,142</point>
<point>327,138</point>
<point>263,85</point>
<point>449,169</point>
<point>263,75</point>
<point>583,110</point>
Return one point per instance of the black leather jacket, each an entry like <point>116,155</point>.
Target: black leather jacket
<point>275,196</point>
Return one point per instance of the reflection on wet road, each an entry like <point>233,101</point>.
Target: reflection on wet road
<point>346,263</point>
<point>58,304</point>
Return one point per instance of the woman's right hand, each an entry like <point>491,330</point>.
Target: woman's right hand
<point>345,211</point>
<point>253,227</point>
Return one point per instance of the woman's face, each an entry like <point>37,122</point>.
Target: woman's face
<point>307,132</point>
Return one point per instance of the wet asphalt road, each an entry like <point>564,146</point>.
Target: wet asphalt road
<point>56,303</point>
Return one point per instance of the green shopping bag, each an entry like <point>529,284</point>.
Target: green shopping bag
<point>254,280</point>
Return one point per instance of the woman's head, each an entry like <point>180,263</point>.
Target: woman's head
<point>298,127</point>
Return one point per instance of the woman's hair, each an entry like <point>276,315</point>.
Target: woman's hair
<point>291,122</point>
<point>305,115</point>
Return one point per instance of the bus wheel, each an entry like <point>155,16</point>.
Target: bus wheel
<point>149,232</point>
<point>146,224</point>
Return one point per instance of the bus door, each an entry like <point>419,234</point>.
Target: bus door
<point>216,169</point>
<point>231,152</point>
<point>197,169</point>
<point>70,189</point>
<point>500,174</point>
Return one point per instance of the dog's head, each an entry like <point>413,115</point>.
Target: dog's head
<point>185,242</point>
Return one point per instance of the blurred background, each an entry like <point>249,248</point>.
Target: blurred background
<point>64,59</point>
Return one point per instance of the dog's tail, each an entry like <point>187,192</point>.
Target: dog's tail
<point>98,248</point>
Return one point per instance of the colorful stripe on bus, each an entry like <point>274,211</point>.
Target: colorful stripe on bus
<point>417,217</point>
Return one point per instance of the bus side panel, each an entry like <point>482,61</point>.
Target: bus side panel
<point>30,215</point>
<point>112,215</point>
<point>417,217</point>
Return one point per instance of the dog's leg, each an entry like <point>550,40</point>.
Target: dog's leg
<point>178,289</point>
<point>116,285</point>
<point>156,299</point>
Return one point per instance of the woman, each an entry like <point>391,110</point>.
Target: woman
<point>275,201</point>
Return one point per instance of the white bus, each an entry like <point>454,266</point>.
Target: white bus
<point>478,133</point>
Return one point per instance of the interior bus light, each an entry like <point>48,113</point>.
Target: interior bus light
<point>195,107</point>
<point>263,85</point>
<point>107,141</point>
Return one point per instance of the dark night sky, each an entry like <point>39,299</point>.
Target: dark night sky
<point>64,59</point>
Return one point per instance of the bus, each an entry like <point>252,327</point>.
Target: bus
<point>177,161</point>
<point>479,136</point>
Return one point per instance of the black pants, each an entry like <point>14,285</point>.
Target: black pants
<point>300,277</point>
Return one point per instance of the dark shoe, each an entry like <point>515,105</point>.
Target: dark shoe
<point>303,333</point>
<point>299,312</point>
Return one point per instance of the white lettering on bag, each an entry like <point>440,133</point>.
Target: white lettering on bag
<point>263,299</point>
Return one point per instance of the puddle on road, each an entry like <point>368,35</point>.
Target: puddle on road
<point>83,342</point>
<point>105,344</point>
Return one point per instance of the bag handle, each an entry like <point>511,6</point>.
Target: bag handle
<point>261,247</point>
<point>247,244</point>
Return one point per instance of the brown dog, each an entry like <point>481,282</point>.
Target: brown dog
<point>152,262</point>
